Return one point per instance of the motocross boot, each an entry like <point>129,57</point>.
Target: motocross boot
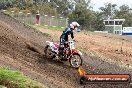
<point>59,55</point>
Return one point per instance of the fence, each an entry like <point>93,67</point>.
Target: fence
<point>45,20</point>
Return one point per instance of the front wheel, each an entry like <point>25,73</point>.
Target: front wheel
<point>75,60</point>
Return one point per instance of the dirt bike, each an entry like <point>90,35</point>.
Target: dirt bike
<point>71,54</point>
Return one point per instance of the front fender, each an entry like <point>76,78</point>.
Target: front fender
<point>76,51</point>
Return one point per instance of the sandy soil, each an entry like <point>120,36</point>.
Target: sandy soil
<point>14,53</point>
<point>117,49</point>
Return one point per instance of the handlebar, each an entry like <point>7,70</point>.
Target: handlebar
<point>74,40</point>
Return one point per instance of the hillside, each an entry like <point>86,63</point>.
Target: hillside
<point>107,46</point>
<point>15,53</point>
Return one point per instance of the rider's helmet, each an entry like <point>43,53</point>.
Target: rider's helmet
<point>75,26</point>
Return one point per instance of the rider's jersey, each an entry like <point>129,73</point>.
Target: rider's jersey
<point>67,32</point>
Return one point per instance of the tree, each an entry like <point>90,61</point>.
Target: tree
<point>98,22</point>
<point>108,11</point>
<point>4,4</point>
<point>125,12</point>
<point>82,14</point>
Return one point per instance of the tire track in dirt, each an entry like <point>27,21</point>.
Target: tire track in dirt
<point>13,44</point>
<point>95,63</point>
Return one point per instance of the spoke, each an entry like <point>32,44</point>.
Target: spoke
<point>75,61</point>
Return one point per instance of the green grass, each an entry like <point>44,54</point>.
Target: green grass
<point>36,28</point>
<point>50,28</point>
<point>7,13</point>
<point>46,34</point>
<point>14,79</point>
<point>56,28</point>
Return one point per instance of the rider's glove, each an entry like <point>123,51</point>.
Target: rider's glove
<point>74,40</point>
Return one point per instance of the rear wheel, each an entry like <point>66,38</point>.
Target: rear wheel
<point>48,52</point>
<point>75,60</point>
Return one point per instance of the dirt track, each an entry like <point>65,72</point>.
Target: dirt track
<point>14,37</point>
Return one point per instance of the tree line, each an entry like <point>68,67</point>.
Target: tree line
<point>75,10</point>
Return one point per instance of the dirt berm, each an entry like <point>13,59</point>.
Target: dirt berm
<point>21,48</point>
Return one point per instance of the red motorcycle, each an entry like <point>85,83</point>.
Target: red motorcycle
<point>70,53</point>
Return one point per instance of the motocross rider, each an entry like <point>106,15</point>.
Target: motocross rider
<point>64,36</point>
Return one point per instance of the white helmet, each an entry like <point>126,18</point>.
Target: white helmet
<point>75,25</point>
